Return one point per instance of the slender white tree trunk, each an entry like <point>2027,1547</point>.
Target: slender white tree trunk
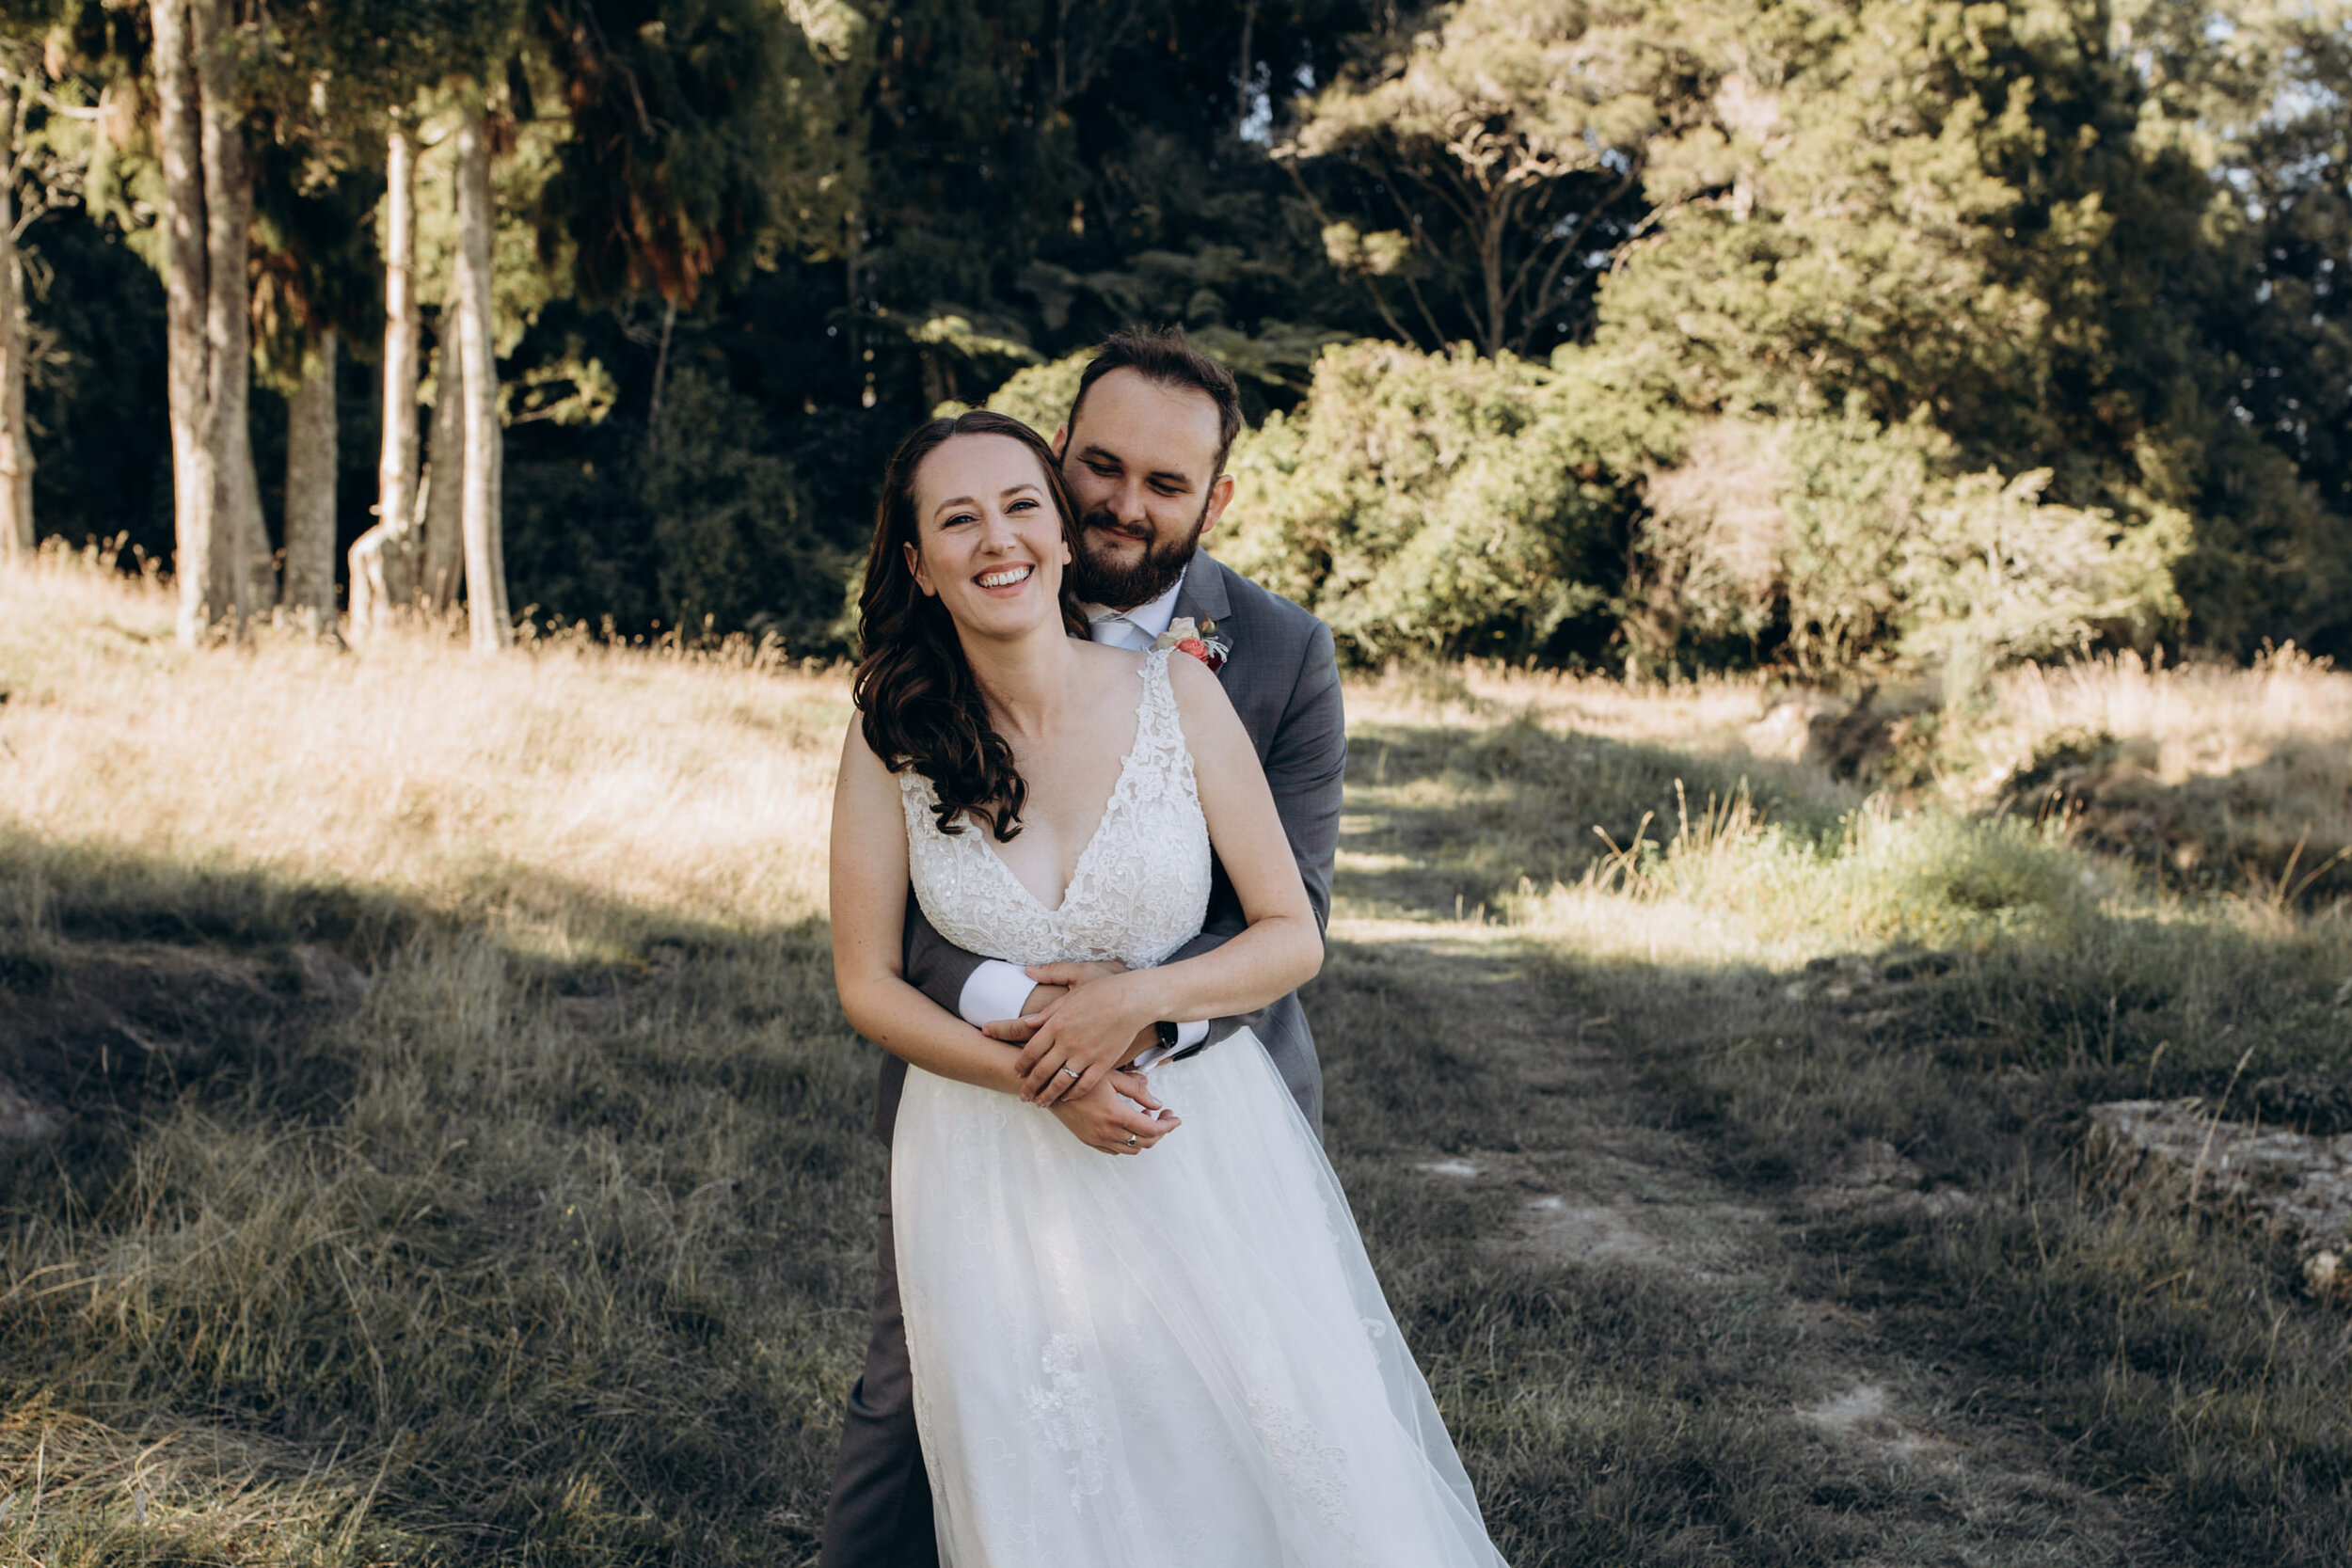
<point>247,578</point>
<point>310,473</point>
<point>18,537</point>
<point>186,290</point>
<point>485,550</point>
<point>443,504</point>
<point>383,558</point>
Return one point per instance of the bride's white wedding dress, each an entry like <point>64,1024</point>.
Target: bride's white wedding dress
<point>1180,1358</point>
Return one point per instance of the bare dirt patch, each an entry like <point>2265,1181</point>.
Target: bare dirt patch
<point>1588,1185</point>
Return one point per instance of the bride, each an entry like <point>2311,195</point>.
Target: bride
<point>1178,1358</point>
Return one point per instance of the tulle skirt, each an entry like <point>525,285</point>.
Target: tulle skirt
<point>1178,1359</point>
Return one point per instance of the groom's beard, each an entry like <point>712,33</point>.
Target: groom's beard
<point>1101,580</point>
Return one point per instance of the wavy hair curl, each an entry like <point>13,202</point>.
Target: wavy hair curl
<point>921,705</point>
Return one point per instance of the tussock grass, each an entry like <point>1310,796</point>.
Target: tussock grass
<point>556,791</point>
<point>551,1242</point>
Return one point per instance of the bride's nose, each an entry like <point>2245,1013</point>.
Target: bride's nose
<point>997,534</point>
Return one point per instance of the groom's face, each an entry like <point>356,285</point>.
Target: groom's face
<point>1140,460</point>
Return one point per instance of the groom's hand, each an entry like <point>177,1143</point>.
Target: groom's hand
<point>1088,1032</point>
<point>1036,1011</point>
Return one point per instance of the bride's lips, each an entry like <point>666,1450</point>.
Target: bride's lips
<point>1005,581</point>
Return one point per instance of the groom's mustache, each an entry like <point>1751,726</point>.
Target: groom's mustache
<point>1107,522</point>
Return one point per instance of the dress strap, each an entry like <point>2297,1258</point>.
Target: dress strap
<point>1159,696</point>
<point>1160,748</point>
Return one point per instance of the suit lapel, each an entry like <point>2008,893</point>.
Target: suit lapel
<point>1204,597</point>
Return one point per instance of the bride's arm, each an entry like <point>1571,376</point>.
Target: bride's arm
<point>869,904</point>
<point>1280,951</point>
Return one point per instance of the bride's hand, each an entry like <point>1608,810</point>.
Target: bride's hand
<point>1119,1115</point>
<point>1087,1034</point>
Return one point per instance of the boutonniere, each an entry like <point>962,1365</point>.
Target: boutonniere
<point>1196,637</point>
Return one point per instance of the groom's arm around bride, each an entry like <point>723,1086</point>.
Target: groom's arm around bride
<point>1143,455</point>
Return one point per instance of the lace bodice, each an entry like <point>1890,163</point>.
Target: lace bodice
<point>1141,887</point>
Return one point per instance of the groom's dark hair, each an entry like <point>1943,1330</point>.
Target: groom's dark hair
<point>1162,355</point>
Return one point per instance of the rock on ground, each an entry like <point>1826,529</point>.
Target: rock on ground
<point>2299,1183</point>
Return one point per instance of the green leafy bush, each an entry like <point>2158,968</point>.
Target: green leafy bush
<point>1442,503</point>
<point>1843,543</point>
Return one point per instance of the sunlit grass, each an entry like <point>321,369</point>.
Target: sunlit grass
<point>552,1244</point>
<point>694,787</point>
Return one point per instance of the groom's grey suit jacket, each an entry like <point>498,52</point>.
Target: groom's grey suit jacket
<point>1284,682</point>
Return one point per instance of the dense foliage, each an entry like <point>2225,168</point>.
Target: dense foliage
<point>1677,332</point>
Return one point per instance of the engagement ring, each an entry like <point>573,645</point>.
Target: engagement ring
<point>1131,1140</point>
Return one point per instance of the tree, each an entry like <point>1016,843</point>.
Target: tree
<point>1505,140</point>
<point>19,96</point>
<point>486,444</point>
<point>383,569</point>
<point>398,59</point>
<point>207,194</point>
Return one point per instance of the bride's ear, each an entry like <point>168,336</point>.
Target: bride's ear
<point>916,570</point>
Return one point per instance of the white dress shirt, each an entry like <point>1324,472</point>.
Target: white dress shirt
<point>997,989</point>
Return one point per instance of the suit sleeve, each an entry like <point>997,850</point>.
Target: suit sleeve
<point>1306,766</point>
<point>935,966</point>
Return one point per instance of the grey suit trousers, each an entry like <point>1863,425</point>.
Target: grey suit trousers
<point>880,1514</point>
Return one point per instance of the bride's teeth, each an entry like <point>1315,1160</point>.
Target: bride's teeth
<point>1005,578</point>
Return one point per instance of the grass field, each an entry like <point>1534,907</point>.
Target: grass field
<point>427,1133</point>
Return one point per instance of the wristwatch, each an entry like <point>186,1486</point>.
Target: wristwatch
<point>1165,1033</point>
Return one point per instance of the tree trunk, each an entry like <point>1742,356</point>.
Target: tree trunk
<point>485,550</point>
<point>1242,105</point>
<point>383,559</point>
<point>444,503</point>
<point>18,539</point>
<point>660,375</point>
<point>310,471</point>
<point>1490,275</point>
<point>243,577</point>
<point>186,289</point>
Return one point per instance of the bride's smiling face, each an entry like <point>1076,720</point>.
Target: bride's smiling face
<point>992,546</point>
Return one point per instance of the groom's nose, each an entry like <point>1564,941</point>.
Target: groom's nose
<point>1127,506</point>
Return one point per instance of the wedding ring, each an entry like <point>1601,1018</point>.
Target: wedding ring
<point>1074,1073</point>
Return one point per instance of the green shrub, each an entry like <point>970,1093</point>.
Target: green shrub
<point>1839,542</point>
<point>1441,504</point>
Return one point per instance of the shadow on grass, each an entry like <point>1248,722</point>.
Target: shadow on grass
<point>2167,1357</point>
<point>574,1254</point>
<point>557,1260</point>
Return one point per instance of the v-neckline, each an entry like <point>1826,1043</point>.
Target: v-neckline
<point>1085,853</point>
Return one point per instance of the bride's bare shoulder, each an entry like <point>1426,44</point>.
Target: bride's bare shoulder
<point>1199,695</point>
<point>1105,656</point>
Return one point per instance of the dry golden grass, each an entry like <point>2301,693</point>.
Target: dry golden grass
<point>552,1245</point>
<point>2197,720</point>
<point>694,786</point>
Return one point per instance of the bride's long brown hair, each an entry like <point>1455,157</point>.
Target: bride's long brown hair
<point>922,707</point>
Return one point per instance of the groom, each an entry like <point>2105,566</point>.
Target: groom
<point>1143,454</point>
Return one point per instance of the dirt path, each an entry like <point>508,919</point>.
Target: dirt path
<point>1584,1180</point>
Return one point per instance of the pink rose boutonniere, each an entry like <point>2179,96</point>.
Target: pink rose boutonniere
<point>1196,637</point>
